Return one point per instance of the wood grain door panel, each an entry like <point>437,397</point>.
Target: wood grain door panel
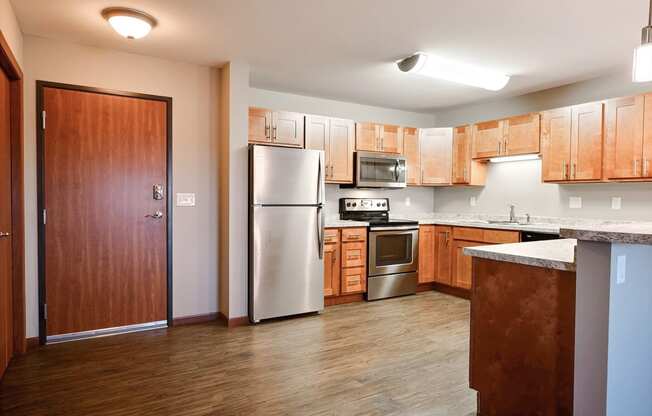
<point>367,137</point>
<point>426,253</point>
<point>260,125</point>
<point>462,264</point>
<point>647,137</point>
<point>105,262</point>
<point>556,144</point>
<point>443,254</point>
<point>624,137</point>
<point>522,134</point>
<point>340,150</point>
<point>586,142</point>
<point>436,154</point>
<point>6,282</point>
<point>332,269</point>
<point>412,153</point>
<point>487,139</point>
<point>288,128</point>
<point>391,139</point>
<point>461,154</point>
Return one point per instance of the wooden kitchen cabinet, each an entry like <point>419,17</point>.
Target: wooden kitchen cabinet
<point>623,153</point>
<point>488,139</point>
<point>391,139</point>
<point>426,253</point>
<point>436,147</point>
<point>354,280</point>
<point>571,143</point>
<point>647,137</point>
<point>282,128</point>
<point>331,262</point>
<point>336,137</point>
<point>371,137</point>
<point>443,254</point>
<point>412,152</point>
<point>521,135</point>
<point>466,171</point>
<point>462,264</point>
<point>354,254</point>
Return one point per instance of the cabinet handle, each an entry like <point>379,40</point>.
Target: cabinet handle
<point>635,167</point>
<point>353,236</point>
<point>565,171</point>
<point>273,132</point>
<point>646,166</point>
<point>574,170</point>
<point>267,131</point>
<point>499,147</point>
<point>464,174</point>
<point>505,142</point>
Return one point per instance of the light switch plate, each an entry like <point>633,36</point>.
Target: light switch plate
<point>621,269</point>
<point>616,202</point>
<point>472,201</point>
<point>185,200</point>
<point>575,202</point>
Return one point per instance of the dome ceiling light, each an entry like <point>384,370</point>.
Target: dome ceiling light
<point>642,69</point>
<point>130,23</point>
<point>461,73</point>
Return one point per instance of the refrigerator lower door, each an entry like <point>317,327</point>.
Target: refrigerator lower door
<point>284,176</point>
<point>286,269</point>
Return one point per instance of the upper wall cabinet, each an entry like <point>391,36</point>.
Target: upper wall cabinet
<point>571,143</point>
<point>371,137</point>
<point>488,139</point>
<point>628,138</point>
<point>521,134</point>
<point>412,152</point>
<point>436,155</point>
<point>281,128</point>
<point>336,138</point>
<point>465,170</point>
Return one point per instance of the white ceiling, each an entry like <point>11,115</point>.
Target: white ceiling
<point>344,49</point>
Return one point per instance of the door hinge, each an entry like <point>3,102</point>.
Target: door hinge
<point>45,311</point>
<point>45,216</point>
<point>43,116</point>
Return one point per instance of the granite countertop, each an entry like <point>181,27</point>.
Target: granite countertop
<point>549,254</point>
<point>338,223</point>
<point>547,228</point>
<point>625,233</point>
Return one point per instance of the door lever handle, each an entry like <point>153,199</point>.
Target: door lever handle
<point>157,215</point>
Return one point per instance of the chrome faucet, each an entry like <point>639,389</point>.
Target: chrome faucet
<point>512,213</point>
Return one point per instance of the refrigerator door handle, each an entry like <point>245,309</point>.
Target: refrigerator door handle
<point>320,230</point>
<point>319,180</point>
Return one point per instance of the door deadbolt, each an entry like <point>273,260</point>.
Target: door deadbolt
<point>158,192</point>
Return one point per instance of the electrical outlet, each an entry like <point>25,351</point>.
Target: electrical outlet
<point>575,202</point>
<point>616,202</point>
<point>408,201</point>
<point>185,200</point>
<point>472,201</point>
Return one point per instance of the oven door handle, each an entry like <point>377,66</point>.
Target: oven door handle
<point>397,228</point>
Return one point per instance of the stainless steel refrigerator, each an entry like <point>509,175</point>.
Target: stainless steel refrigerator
<point>286,231</point>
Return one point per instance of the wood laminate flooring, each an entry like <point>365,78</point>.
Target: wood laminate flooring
<point>403,356</point>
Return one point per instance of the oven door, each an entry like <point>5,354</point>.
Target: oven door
<point>393,250</point>
<point>375,170</point>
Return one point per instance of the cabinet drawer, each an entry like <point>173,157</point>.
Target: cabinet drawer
<point>470,234</point>
<point>354,254</point>
<point>331,235</point>
<point>501,237</point>
<point>354,234</point>
<point>354,280</point>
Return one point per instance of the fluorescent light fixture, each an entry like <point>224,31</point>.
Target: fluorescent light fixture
<point>130,23</point>
<point>517,158</point>
<point>642,67</point>
<point>461,73</point>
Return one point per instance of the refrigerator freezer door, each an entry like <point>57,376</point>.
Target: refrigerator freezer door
<point>286,271</point>
<point>283,176</point>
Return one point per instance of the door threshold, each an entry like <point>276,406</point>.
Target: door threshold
<point>105,332</point>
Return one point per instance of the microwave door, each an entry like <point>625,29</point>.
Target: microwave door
<point>375,171</point>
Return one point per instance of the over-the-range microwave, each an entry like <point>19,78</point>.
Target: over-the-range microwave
<point>379,170</point>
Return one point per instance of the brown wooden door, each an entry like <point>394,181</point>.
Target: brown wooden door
<point>436,154</point>
<point>260,125</point>
<point>6,287</point>
<point>426,253</point>
<point>331,263</point>
<point>647,137</point>
<point>522,134</point>
<point>488,139</point>
<point>287,128</point>
<point>443,253</point>
<point>391,139</point>
<point>367,137</point>
<point>340,150</point>
<point>556,144</point>
<point>586,142</point>
<point>105,260</point>
<point>624,137</point>
<point>461,154</point>
<point>412,152</point>
<point>462,264</point>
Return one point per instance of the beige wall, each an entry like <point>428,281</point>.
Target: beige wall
<point>11,30</point>
<point>194,155</point>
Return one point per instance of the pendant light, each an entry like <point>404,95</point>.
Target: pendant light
<point>642,69</point>
<point>130,23</point>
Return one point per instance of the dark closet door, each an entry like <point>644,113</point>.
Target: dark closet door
<point>6,289</point>
<point>105,232</point>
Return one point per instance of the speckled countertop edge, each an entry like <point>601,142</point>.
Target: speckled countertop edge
<point>549,254</point>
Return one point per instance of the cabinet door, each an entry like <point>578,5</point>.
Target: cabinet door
<point>426,253</point>
<point>331,269</point>
<point>461,154</point>
<point>367,137</point>
<point>391,139</point>
<point>487,139</point>
<point>522,134</point>
<point>647,137</point>
<point>287,128</point>
<point>443,253</point>
<point>317,134</point>
<point>341,144</point>
<point>413,155</point>
<point>624,137</point>
<point>436,154</point>
<point>586,142</point>
<point>462,265</point>
<point>556,144</point>
<point>354,280</point>
<point>354,254</point>
<point>260,125</point>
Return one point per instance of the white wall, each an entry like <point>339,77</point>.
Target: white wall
<point>403,202</point>
<point>194,154</point>
<point>11,30</point>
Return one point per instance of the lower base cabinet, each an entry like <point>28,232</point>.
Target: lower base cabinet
<point>345,261</point>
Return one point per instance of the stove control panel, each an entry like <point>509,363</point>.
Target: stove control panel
<point>364,204</point>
